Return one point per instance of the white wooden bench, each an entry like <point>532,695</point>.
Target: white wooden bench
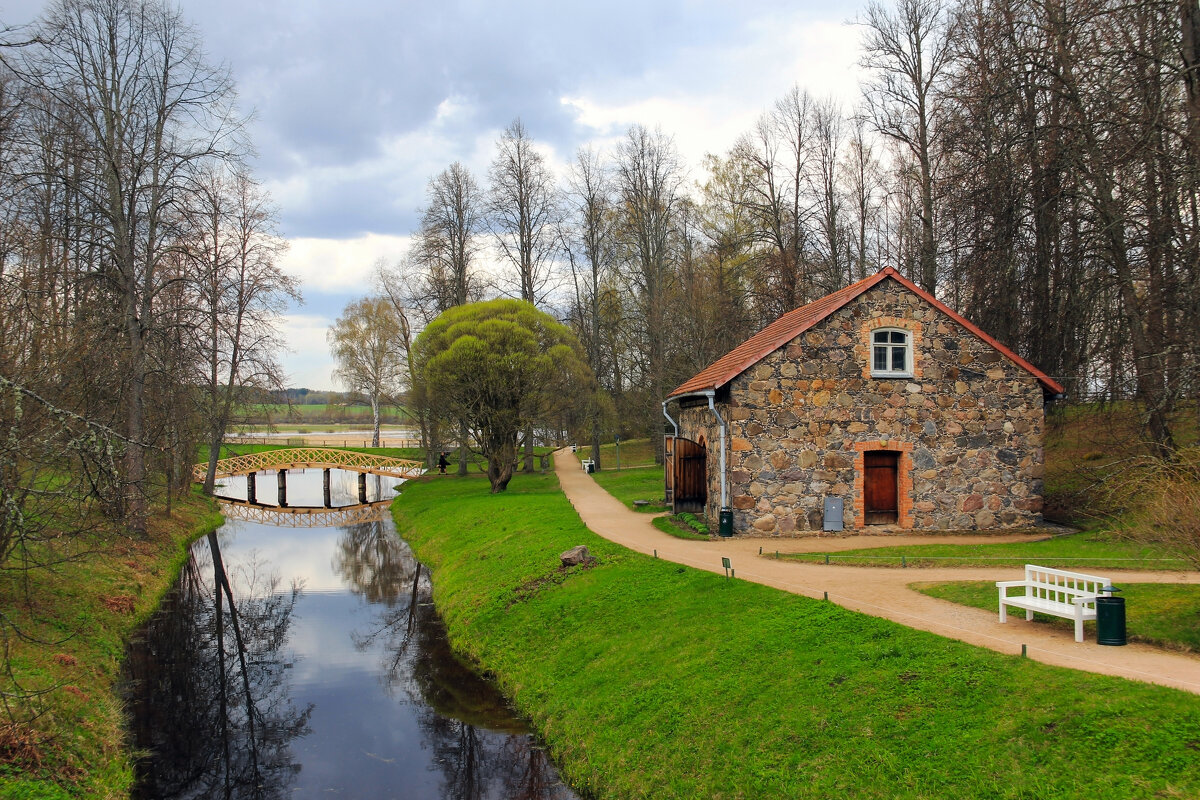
<point>587,464</point>
<point>1071,595</point>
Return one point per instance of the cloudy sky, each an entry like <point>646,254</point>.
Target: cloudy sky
<point>357,104</point>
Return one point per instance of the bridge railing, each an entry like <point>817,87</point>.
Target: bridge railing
<point>303,457</point>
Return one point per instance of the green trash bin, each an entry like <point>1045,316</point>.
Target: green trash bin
<point>726,522</point>
<point>1110,619</point>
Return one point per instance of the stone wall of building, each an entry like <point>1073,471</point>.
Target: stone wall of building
<point>968,426</point>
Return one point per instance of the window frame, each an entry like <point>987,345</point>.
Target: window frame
<point>890,346</point>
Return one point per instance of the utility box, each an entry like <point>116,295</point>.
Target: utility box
<point>833,514</point>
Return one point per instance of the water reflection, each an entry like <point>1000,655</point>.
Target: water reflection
<point>249,687</point>
<point>209,695</point>
<point>479,748</point>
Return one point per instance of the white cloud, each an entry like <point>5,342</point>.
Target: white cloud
<point>341,266</point>
<point>713,97</point>
<point>307,362</point>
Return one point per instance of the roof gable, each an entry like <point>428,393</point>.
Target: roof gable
<point>799,320</point>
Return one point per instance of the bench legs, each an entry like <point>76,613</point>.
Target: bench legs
<point>1078,623</point>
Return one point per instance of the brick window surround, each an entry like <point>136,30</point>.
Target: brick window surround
<point>862,350</point>
<point>904,482</point>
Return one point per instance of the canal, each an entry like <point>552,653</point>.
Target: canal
<point>301,662</point>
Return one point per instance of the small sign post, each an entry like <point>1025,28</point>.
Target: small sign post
<point>725,564</point>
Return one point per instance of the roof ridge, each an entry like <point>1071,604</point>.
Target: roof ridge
<point>792,323</point>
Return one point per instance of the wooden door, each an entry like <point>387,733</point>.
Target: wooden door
<point>880,470</point>
<point>690,476</point>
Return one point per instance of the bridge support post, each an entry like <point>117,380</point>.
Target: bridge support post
<point>325,487</point>
<point>281,478</point>
<point>251,489</point>
<point>362,487</point>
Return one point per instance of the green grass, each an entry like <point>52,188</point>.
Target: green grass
<point>80,616</point>
<point>679,528</point>
<point>1156,613</point>
<point>639,483</point>
<point>652,680</point>
<point>1087,551</point>
<point>634,453</point>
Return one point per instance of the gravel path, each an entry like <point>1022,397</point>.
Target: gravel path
<point>884,592</point>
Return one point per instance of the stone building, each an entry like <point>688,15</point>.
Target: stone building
<point>877,395</point>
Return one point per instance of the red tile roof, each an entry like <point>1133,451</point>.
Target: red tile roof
<point>797,321</point>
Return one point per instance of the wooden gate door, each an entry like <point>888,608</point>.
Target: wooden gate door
<point>880,471</point>
<point>690,476</point>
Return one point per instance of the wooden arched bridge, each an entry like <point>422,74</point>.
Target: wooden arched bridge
<point>312,458</point>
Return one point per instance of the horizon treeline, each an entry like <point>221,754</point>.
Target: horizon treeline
<point>1033,163</point>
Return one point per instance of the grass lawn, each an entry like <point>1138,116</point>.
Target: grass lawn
<point>634,453</point>
<point>79,616</point>
<point>1161,614</point>
<point>1086,551</point>
<point>640,483</point>
<point>648,679</point>
<point>682,526</point>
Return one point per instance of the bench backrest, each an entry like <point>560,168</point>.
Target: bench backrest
<point>1061,586</point>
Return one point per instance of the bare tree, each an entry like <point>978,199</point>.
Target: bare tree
<point>649,178</point>
<point>396,283</point>
<point>239,292</point>
<point>590,244</point>
<point>828,194</point>
<point>366,342</point>
<point>523,211</point>
<point>860,170</point>
<point>131,77</point>
<point>908,54</point>
<point>448,241</point>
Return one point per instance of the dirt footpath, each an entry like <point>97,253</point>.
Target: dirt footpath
<point>884,592</point>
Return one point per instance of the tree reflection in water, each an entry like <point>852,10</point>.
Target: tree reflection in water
<point>479,746</point>
<point>208,690</point>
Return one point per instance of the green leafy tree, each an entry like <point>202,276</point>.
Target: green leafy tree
<point>499,369</point>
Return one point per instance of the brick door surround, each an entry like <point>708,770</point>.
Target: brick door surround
<point>904,482</point>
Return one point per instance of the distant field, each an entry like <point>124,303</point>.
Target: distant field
<point>281,413</point>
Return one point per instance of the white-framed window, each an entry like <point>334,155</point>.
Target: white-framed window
<point>891,353</point>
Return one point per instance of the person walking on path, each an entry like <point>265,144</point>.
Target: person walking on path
<point>883,592</point>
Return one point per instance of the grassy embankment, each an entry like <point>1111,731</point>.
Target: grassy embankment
<point>78,616</point>
<point>649,679</point>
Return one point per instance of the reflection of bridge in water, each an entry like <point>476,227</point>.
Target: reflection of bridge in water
<point>304,516</point>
